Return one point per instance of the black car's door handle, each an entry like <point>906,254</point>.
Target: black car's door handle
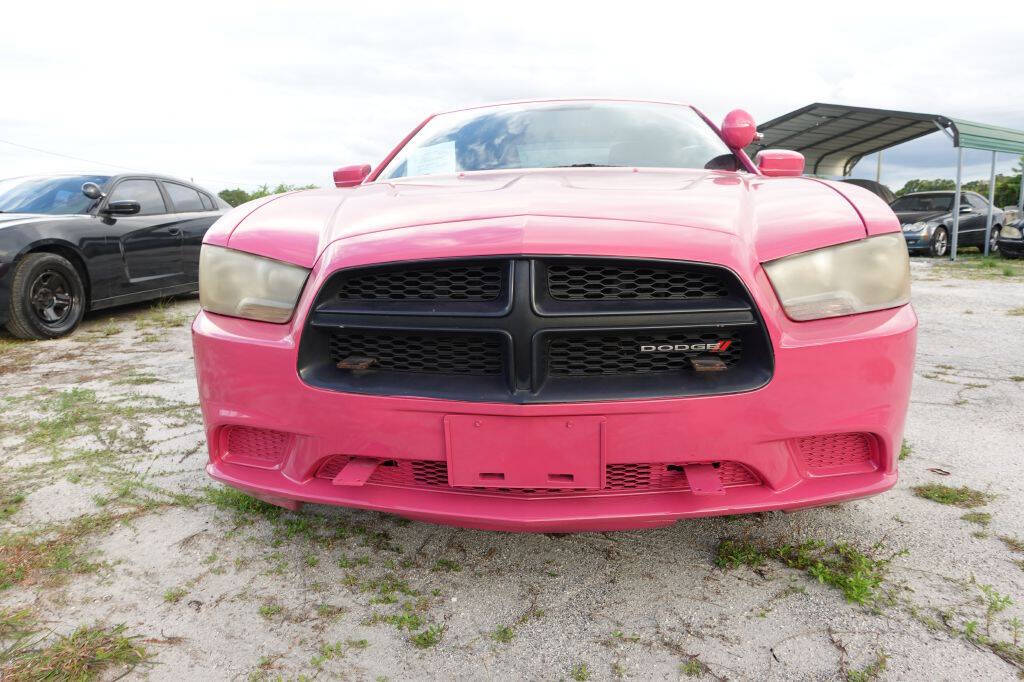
<point>174,232</point>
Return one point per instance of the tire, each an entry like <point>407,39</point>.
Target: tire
<point>939,246</point>
<point>47,297</point>
<point>993,240</point>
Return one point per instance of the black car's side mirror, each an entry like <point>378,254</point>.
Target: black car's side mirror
<point>965,208</point>
<point>122,208</point>
<point>92,190</point>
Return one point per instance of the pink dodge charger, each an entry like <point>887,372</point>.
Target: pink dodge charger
<point>559,316</point>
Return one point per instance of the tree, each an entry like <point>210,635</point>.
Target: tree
<point>925,186</point>
<point>239,196</point>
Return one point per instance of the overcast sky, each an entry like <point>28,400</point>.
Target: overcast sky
<point>239,95</point>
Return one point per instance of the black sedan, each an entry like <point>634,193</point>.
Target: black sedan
<point>72,243</point>
<point>927,219</point>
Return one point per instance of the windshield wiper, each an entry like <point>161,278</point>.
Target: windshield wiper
<point>587,165</point>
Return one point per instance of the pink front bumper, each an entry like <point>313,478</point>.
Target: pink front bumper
<point>845,375</point>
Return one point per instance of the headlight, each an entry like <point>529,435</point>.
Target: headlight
<point>243,285</point>
<point>914,227</point>
<point>1010,232</point>
<point>857,277</point>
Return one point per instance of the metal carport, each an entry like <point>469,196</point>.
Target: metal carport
<point>834,137</point>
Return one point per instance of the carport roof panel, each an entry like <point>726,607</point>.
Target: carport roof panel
<point>992,138</point>
<point>834,137</point>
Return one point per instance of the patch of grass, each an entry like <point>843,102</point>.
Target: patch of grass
<point>734,553</point>
<point>1014,544</point>
<point>9,505</point>
<point>445,566</point>
<point>162,315</point>
<point>1018,312</point>
<point>980,518</point>
<point>857,574</point>
<point>872,672</point>
<point>976,266</point>
<point>230,499</point>
<point>905,450</point>
<point>1017,377</point>
<point>175,595</point>
<point>580,672</point>
<point>503,634</point>
<point>133,378</point>
<point>51,554</point>
<point>85,654</point>
<point>693,667</point>
<point>268,611</point>
<point>963,497</point>
<point>428,637</point>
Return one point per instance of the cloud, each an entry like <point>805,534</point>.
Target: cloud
<point>235,94</point>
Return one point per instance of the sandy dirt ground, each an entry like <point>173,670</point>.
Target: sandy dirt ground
<point>112,535</point>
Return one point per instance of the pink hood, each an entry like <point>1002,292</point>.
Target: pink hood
<point>774,216</point>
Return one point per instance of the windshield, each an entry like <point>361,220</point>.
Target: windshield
<point>914,203</point>
<point>53,195</point>
<point>562,134</point>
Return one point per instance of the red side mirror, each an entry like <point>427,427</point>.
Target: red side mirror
<point>350,176</point>
<point>738,129</point>
<point>779,162</point>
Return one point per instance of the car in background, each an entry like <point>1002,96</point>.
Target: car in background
<point>883,192</point>
<point>72,243</point>
<point>927,220</point>
<point>1011,239</point>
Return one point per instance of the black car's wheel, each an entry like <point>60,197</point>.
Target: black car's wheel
<point>47,297</point>
<point>993,240</point>
<point>939,246</point>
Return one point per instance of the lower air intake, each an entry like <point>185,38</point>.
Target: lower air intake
<point>619,478</point>
<point>250,446</point>
<point>837,451</point>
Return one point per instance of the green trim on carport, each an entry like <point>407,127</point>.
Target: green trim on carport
<point>988,137</point>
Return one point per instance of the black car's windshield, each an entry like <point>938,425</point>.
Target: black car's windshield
<point>560,134</point>
<point>914,203</point>
<point>53,195</point>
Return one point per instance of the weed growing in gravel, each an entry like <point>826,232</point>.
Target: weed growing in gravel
<point>428,638</point>
<point>694,667</point>
<point>445,566</point>
<point>83,655</point>
<point>268,611</point>
<point>857,574</point>
<point>1017,377</point>
<point>503,634</point>
<point>1016,311</point>
<point>872,672</point>
<point>174,595</point>
<point>9,504</point>
<point>734,553</point>
<point>964,497</point>
<point>580,672</point>
<point>905,450</point>
<point>327,652</point>
<point>243,505</point>
<point>1014,544</point>
<point>161,316</point>
<point>980,518</point>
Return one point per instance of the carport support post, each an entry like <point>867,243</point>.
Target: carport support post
<point>991,198</point>
<point>956,202</point>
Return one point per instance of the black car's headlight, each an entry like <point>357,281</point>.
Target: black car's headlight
<point>243,285</point>
<point>856,277</point>
<point>1010,232</point>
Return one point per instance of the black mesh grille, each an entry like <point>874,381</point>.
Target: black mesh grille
<point>465,282</point>
<point>622,354</point>
<point>609,281</point>
<point>448,353</point>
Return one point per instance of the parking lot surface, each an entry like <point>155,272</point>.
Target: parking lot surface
<point>111,528</point>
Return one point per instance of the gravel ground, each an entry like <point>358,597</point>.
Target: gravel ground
<point>108,520</point>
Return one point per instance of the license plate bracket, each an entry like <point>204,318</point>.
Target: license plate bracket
<point>525,452</point>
